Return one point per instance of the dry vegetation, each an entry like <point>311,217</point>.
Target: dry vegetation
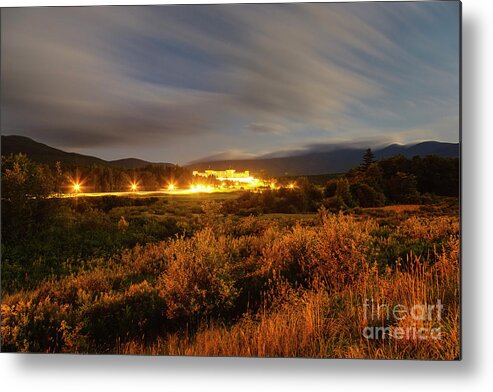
<point>253,287</point>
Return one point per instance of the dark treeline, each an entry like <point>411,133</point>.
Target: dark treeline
<point>398,180</point>
<point>99,178</point>
<point>395,180</point>
<point>106,179</point>
<point>304,197</point>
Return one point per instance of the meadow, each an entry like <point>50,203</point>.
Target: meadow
<point>361,265</point>
<point>222,283</point>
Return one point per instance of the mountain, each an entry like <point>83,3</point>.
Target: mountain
<point>43,153</point>
<point>135,163</point>
<point>421,149</point>
<point>337,160</point>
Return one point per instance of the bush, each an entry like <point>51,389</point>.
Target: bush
<point>341,245</point>
<point>365,196</point>
<point>334,204</point>
<point>330,188</point>
<point>138,312</point>
<point>343,193</point>
<point>199,278</point>
<point>29,326</point>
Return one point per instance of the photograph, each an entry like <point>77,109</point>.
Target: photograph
<point>232,180</point>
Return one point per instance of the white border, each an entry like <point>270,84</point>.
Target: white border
<point>88,373</point>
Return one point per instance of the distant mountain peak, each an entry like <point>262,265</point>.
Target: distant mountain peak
<point>336,159</point>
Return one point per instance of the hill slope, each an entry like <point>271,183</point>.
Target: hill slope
<point>338,160</point>
<point>335,161</point>
<point>43,153</point>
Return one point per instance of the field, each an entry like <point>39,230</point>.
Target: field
<point>204,281</point>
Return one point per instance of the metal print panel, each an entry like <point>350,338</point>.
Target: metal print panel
<point>266,180</point>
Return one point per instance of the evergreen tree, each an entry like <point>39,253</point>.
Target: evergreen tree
<point>368,160</point>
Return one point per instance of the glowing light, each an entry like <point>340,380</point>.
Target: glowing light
<point>76,183</point>
<point>171,187</point>
<point>291,185</point>
<point>195,188</point>
<point>232,180</point>
<point>133,187</point>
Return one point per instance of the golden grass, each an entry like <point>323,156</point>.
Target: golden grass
<point>402,207</point>
<point>313,282</point>
<point>318,325</point>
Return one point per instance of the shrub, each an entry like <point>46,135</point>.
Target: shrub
<point>199,277</point>
<point>343,193</point>
<point>340,248</point>
<point>330,188</point>
<point>365,196</point>
<point>139,311</point>
<point>34,326</point>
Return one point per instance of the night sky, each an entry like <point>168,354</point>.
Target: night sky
<point>179,83</point>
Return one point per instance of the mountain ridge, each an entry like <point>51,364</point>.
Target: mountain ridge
<point>337,160</point>
<point>42,153</point>
<point>328,162</point>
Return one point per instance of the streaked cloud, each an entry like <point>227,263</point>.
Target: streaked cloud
<point>260,127</point>
<point>179,82</point>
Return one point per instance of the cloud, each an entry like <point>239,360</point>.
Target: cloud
<point>172,76</point>
<point>262,127</point>
<point>61,84</point>
<point>225,156</point>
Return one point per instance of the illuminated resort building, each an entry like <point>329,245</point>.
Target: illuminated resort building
<point>232,179</point>
<point>227,175</point>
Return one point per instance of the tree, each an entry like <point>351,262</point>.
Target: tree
<point>368,160</point>
<point>374,177</point>
<point>366,196</point>
<point>25,190</point>
<point>437,175</point>
<point>398,163</point>
<point>343,193</point>
<point>403,188</point>
<point>330,188</point>
<point>58,177</point>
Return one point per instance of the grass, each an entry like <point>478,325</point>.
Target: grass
<point>172,206</point>
<point>269,286</point>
